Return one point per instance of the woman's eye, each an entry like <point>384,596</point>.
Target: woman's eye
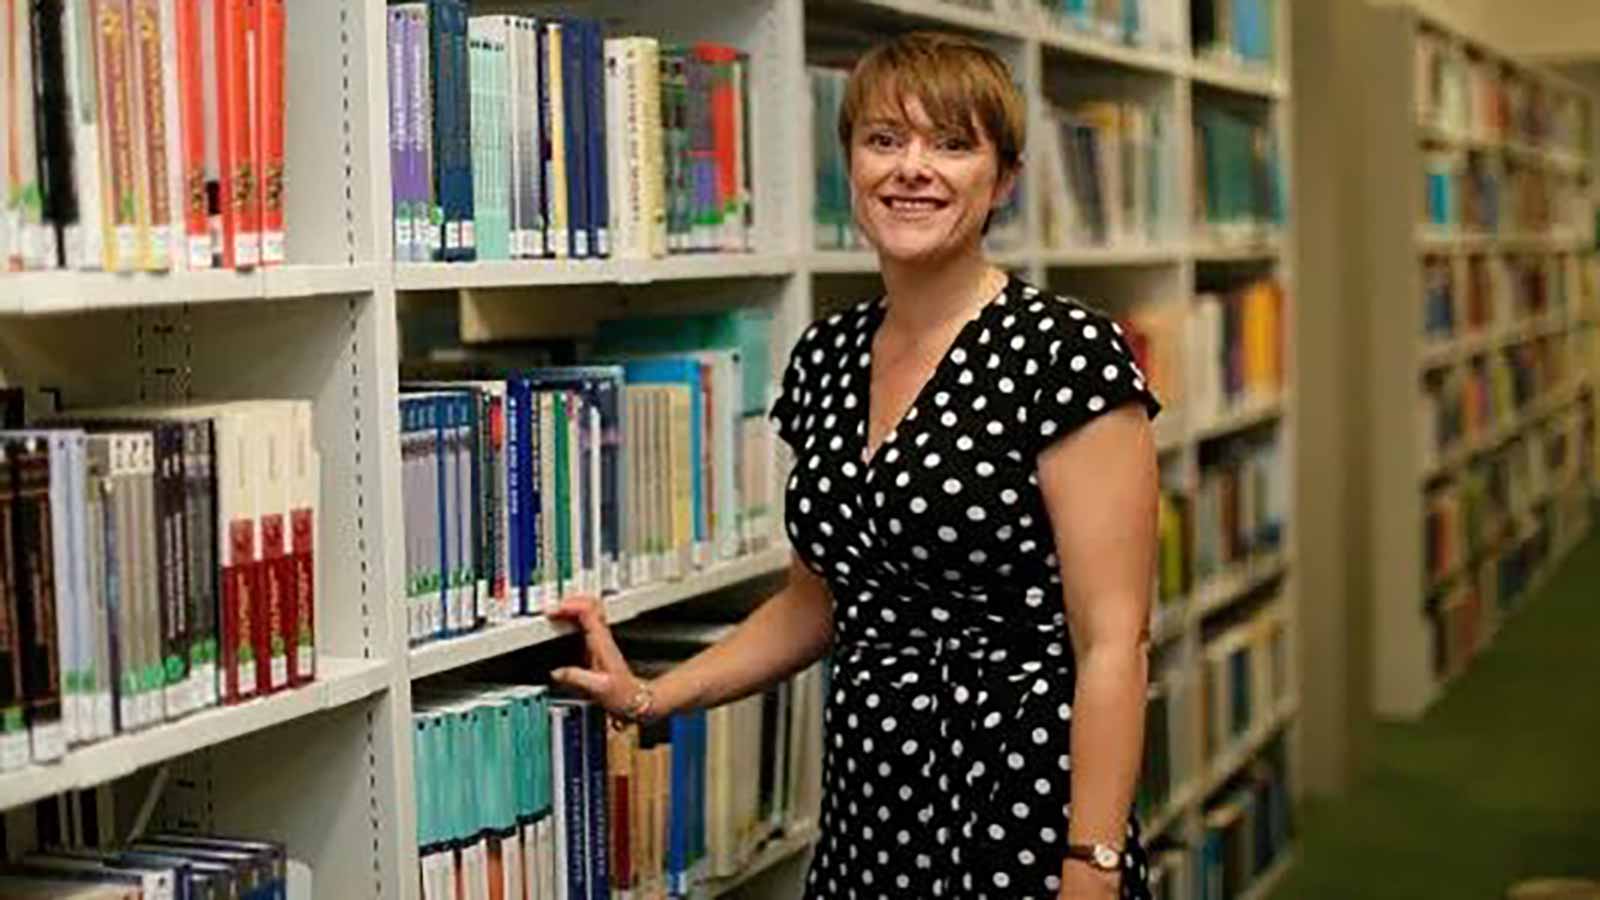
<point>954,144</point>
<point>882,140</point>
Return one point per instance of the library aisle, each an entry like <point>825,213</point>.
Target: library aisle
<point>1494,785</point>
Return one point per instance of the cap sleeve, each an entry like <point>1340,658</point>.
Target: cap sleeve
<point>793,395</point>
<point>1086,371</point>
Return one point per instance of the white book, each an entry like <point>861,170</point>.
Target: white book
<point>619,145</point>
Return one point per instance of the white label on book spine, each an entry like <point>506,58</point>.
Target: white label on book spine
<point>160,247</point>
<point>199,252</point>
<point>402,238</point>
<point>246,250</point>
<point>280,672</point>
<point>208,684</point>
<point>175,699</point>
<point>602,242</point>
<point>83,715</point>
<point>469,235</point>
<point>272,248</point>
<point>307,663</point>
<point>34,240</point>
<point>452,235</point>
<point>127,240</point>
<point>537,241</point>
<point>49,742</point>
<point>14,751</point>
<point>104,721</point>
<point>247,678</point>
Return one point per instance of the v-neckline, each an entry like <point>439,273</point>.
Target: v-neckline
<point>866,453</point>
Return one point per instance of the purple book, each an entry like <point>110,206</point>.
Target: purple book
<point>398,139</point>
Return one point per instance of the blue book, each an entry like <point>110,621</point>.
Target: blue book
<point>679,807</point>
<point>460,136</point>
<point>595,778</point>
<point>567,740</point>
<point>574,100</point>
<point>594,81</point>
<point>601,387</point>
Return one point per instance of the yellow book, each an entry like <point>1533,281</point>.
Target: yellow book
<point>560,223</point>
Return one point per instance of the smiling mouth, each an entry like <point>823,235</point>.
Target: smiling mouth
<point>914,204</point>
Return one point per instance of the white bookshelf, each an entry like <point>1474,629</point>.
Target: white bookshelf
<point>1413,610</point>
<point>328,767</point>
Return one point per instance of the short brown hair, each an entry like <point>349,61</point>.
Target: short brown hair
<point>957,80</point>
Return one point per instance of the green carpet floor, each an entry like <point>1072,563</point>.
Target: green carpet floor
<point>1501,780</point>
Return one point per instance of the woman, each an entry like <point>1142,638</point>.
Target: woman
<point>972,512</point>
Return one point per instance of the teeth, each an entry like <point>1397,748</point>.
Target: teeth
<point>913,204</point>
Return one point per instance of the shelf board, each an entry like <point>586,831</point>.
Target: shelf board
<point>1263,887</point>
<point>1432,240</point>
<point>1438,353</point>
<point>1238,580</point>
<point>1251,250</point>
<point>1171,814</point>
<point>1559,160</point>
<point>1104,257</point>
<point>560,272</point>
<point>983,21</point>
<point>1235,758</point>
<point>340,681</point>
<point>1536,411</point>
<point>46,293</point>
<point>843,262</point>
<point>1236,78</point>
<point>772,853</point>
<point>1064,39</point>
<point>451,653</point>
<point>1242,417</point>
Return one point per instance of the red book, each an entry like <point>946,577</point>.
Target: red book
<point>269,128</point>
<point>192,115</point>
<point>241,239</point>
<point>239,590</point>
<point>720,59</point>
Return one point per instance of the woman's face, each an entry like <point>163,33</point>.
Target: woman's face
<point>920,192</point>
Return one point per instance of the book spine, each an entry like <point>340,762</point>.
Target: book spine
<point>516,473</point>
<point>538,141</point>
<point>575,100</point>
<point>598,816</point>
<point>595,143</point>
<point>99,673</point>
<point>304,478</point>
<point>31,235</point>
<point>145,538</point>
<point>171,161</point>
<point>241,582</point>
<point>395,47</point>
<point>192,216</point>
<point>269,127</point>
<point>462,134</point>
<point>151,138</point>
<point>118,177</point>
<point>441,112</point>
<point>53,104</point>
<point>612,485</point>
<point>172,589</point>
<point>553,101</point>
<point>237,183</point>
<point>33,569</point>
<point>13,723</point>
<point>200,508</point>
<point>82,239</point>
<point>66,532</point>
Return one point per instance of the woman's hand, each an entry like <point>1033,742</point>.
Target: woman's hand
<point>607,681</point>
<point>1083,882</point>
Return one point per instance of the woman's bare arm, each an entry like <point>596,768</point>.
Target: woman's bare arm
<point>788,632</point>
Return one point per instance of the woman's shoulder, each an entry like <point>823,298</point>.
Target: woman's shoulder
<point>1050,324</point>
<point>843,331</point>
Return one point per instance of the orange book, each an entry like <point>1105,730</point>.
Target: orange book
<point>241,246</point>
<point>117,177</point>
<point>195,230</point>
<point>269,126</point>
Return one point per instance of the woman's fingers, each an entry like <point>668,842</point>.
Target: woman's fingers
<point>597,685</point>
<point>589,613</point>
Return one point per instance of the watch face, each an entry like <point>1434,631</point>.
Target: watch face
<point>1105,857</point>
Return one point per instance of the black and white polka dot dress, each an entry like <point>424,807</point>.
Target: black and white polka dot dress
<point>947,723</point>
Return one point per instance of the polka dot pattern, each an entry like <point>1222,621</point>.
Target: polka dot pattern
<point>946,767</point>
